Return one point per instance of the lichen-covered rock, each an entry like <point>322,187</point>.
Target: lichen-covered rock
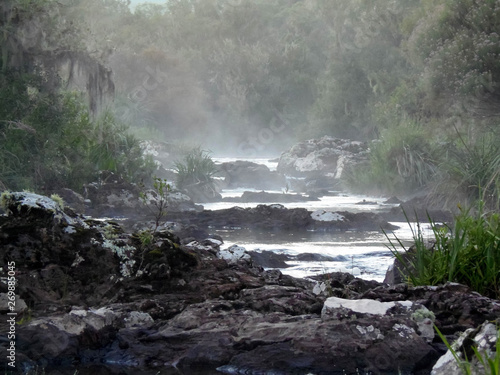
<point>362,306</point>
<point>234,254</point>
<point>484,339</point>
<point>184,308</point>
<point>322,215</point>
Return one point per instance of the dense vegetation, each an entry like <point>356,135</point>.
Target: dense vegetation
<point>51,136</point>
<point>253,76</point>
<point>466,252</point>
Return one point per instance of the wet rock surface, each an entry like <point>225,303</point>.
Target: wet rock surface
<point>115,302</point>
<point>276,217</point>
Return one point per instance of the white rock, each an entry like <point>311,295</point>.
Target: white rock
<point>234,254</point>
<point>214,241</point>
<point>319,288</point>
<point>310,163</point>
<point>363,306</point>
<point>322,215</point>
<point>80,313</point>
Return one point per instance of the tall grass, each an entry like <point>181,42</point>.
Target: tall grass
<point>196,169</point>
<point>403,160</point>
<point>467,252</point>
<point>471,168</point>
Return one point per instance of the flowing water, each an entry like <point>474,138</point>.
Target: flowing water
<point>363,253</point>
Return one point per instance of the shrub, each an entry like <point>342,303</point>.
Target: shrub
<point>467,252</point>
<point>196,172</point>
<point>471,170</point>
<point>58,144</point>
<point>402,161</point>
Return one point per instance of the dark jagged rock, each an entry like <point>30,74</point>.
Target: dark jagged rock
<point>276,217</point>
<point>418,210</point>
<point>270,259</point>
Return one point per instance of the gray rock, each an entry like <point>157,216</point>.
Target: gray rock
<point>326,156</point>
<point>484,339</point>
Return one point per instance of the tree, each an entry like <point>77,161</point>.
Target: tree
<point>459,44</point>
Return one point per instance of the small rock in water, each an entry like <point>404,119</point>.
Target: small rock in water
<point>234,254</point>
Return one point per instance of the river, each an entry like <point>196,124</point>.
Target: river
<point>365,254</point>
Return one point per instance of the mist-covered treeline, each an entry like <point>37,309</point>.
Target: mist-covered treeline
<point>253,76</point>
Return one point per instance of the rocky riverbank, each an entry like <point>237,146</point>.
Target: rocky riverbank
<point>104,301</point>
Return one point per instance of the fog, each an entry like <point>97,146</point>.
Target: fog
<point>252,78</point>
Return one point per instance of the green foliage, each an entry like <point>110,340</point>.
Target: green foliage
<point>232,71</point>
<point>460,45</point>
<point>57,144</point>
<point>59,201</point>
<point>472,169</point>
<point>468,252</point>
<point>196,170</point>
<point>402,161</point>
<point>49,138</point>
<point>5,200</point>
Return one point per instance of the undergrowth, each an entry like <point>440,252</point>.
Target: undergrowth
<point>466,252</point>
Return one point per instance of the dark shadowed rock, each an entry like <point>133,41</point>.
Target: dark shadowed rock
<point>276,217</point>
<point>418,209</point>
<point>245,174</point>
<point>270,259</point>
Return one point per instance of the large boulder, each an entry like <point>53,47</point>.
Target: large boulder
<point>246,174</point>
<point>59,256</point>
<point>65,258</point>
<point>325,157</point>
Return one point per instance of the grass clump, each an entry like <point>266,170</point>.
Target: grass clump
<point>403,160</point>
<point>195,173</point>
<point>466,252</point>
